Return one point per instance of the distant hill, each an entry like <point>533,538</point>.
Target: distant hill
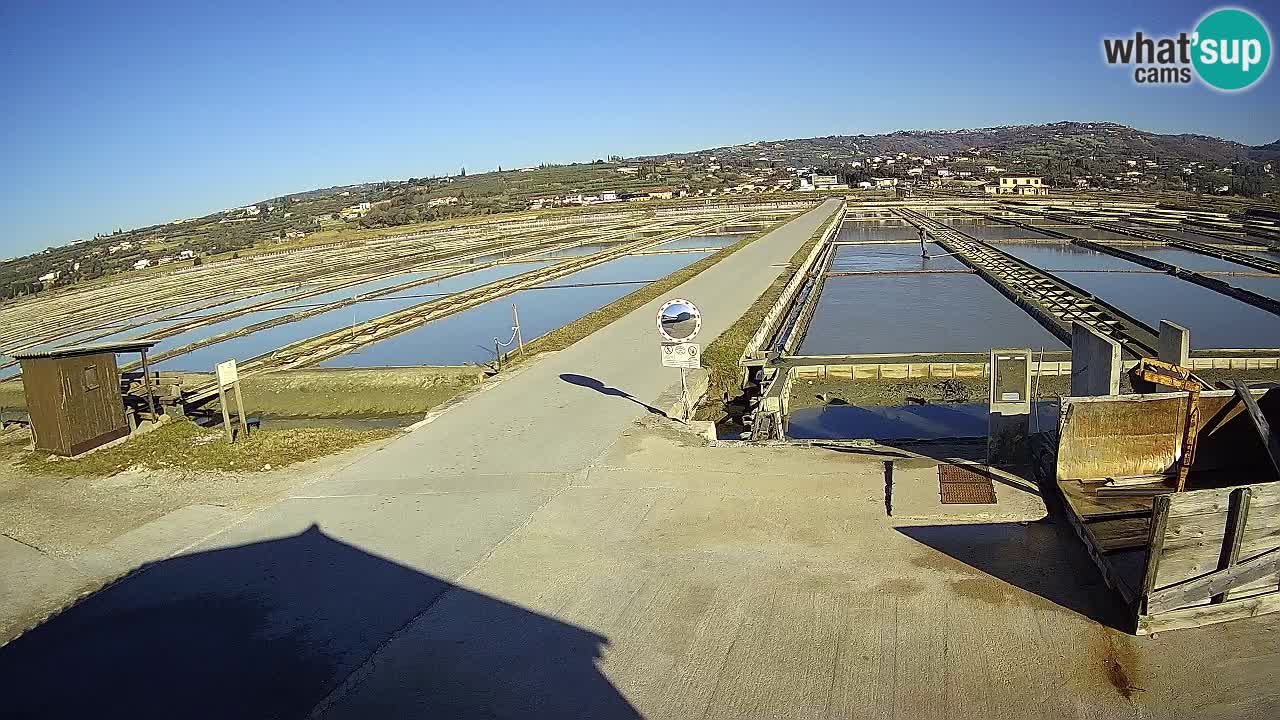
<point>1102,140</point>
<point>1099,155</point>
<point>1262,153</point>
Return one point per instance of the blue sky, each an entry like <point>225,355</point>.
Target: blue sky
<point>123,114</point>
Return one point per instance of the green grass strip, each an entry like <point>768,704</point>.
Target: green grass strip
<point>721,357</point>
<point>184,446</point>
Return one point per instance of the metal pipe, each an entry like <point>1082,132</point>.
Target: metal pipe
<point>515,317</point>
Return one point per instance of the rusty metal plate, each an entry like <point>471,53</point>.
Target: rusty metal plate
<point>960,485</point>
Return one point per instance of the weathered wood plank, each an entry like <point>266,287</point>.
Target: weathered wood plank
<point>1122,533</point>
<point>1236,519</point>
<point>1126,435</point>
<point>1200,588</point>
<point>1110,573</point>
<point>1215,500</point>
<point>1194,549</point>
<point>1209,614</point>
<point>1088,506</point>
<point>1155,547</point>
<point>1177,568</point>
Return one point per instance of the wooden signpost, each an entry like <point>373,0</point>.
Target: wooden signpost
<point>229,379</point>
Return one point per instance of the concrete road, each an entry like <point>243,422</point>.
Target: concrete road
<point>423,511</point>
<point>563,412</point>
<point>549,549</point>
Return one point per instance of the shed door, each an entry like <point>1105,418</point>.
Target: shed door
<point>93,397</point>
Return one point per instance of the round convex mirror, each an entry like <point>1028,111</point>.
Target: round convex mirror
<point>679,320</point>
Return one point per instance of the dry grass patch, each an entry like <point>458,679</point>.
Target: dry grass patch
<point>187,446</point>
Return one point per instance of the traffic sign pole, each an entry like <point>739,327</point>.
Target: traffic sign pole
<point>678,324</point>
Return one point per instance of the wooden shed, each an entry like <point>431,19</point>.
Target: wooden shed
<point>73,395</point>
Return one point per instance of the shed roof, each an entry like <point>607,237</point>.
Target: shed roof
<point>123,346</point>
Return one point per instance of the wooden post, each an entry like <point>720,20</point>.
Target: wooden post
<point>1155,546</point>
<point>226,417</point>
<point>244,423</point>
<point>1237,517</point>
<point>146,382</point>
<point>228,377</point>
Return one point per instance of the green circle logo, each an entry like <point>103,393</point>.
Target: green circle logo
<point>1232,49</point>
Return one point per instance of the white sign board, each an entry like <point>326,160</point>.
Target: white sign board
<point>679,321</point>
<point>682,355</point>
<point>227,373</point>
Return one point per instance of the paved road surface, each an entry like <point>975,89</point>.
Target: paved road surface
<point>269,617</point>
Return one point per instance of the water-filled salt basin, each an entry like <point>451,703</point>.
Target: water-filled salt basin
<point>991,231</point>
<point>875,231</point>
<point>1268,286</point>
<point>1215,320</point>
<point>1065,256</point>
<point>896,256</point>
<point>140,326</point>
<point>701,241</point>
<point>940,312</point>
<point>577,251</point>
<point>263,341</point>
<point>1092,233</point>
<point>901,422</point>
<point>1172,232</point>
<point>467,337</point>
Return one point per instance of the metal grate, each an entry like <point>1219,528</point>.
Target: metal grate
<point>959,485</point>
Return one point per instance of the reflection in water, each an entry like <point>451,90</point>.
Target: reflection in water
<point>254,344</point>
<point>896,256</point>
<point>1215,320</point>
<point>901,422</point>
<point>918,313</point>
<point>1066,257</point>
<point>1194,261</point>
<point>875,231</point>
<point>467,337</point>
<point>701,241</point>
<point>986,230</point>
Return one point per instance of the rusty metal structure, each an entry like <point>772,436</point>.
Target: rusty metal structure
<point>1178,378</point>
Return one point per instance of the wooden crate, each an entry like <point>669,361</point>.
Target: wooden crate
<point>1177,560</point>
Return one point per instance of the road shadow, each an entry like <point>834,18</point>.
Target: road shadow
<point>269,629</point>
<point>594,384</point>
<point>1042,558</point>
